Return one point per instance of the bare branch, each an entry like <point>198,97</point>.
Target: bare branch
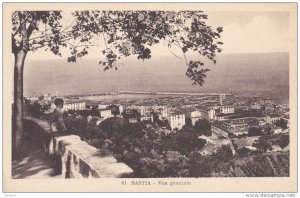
<point>33,25</point>
<point>50,34</point>
<point>174,54</point>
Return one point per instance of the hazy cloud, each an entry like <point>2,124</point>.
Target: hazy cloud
<point>262,34</point>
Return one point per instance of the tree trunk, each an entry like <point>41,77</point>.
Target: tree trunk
<point>17,122</point>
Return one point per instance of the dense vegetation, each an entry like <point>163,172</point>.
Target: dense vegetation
<point>155,152</point>
<point>152,151</point>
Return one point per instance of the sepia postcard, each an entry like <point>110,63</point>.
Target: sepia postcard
<point>149,97</point>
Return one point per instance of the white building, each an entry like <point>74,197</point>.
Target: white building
<point>105,113</point>
<point>148,117</point>
<point>190,105</point>
<point>74,105</point>
<point>277,130</point>
<point>177,121</point>
<point>208,114</point>
<point>89,118</point>
<point>133,120</point>
<point>47,97</point>
<point>195,114</point>
<point>102,106</point>
<point>121,109</point>
<point>256,106</point>
<point>226,109</point>
<point>32,99</point>
<point>140,108</point>
<point>162,110</point>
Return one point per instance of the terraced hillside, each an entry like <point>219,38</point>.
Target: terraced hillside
<point>267,165</point>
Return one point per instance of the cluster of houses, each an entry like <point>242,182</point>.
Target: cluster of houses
<point>230,118</point>
<point>222,112</point>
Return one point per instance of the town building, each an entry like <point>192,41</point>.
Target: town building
<point>121,108</point>
<point>74,105</point>
<point>226,109</point>
<point>161,110</point>
<point>177,121</point>
<point>272,118</point>
<point>256,106</point>
<point>222,98</point>
<point>131,115</point>
<point>105,113</point>
<point>277,130</point>
<point>147,117</point>
<point>32,99</point>
<point>47,97</point>
<point>208,114</point>
<point>133,120</point>
<point>237,126</point>
<point>190,105</point>
<point>195,114</point>
<point>102,106</point>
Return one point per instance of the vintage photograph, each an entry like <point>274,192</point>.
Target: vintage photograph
<point>150,93</point>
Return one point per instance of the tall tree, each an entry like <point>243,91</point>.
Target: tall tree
<point>117,33</point>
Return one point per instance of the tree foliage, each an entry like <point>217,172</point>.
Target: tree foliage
<point>267,130</point>
<point>150,152</point>
<point>262,144</point>
<point>203,127</point>
<point>75,124</point>
<point>224,153</point>
<point>114,109</point>
<point>283,141</point>
<point>119,34</point>
<point>44,27</point>
<point>255,131</point>
<point>281,123</point>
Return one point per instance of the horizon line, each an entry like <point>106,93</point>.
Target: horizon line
<point>170,55</point>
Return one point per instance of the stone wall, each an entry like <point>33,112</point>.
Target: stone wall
<point>78,159</point>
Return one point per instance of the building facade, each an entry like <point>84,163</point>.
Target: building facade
<point>105,113</point>
<point>177,121</point>
<point>102,106</point>
<point>208,114</point>
<point>226,109</point>
<point>195,114</point>
<point>72,105</point>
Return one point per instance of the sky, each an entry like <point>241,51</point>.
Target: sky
<point>244,32</point>
<point>253,32</point>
